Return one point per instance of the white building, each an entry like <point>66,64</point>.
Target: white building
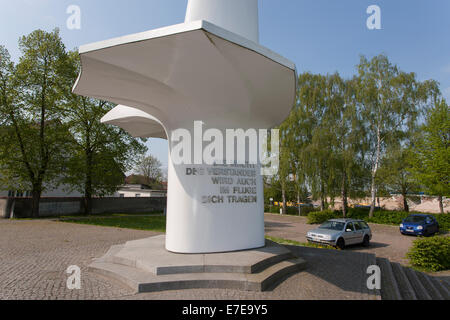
<point>138,191</point>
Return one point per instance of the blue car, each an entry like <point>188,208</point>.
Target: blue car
<point>419,225</point>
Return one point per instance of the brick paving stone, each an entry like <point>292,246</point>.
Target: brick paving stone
<point>34,256</point>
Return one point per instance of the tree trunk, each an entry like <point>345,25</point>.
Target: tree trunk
<point>374,174</point>
<point>344,196</point>
<point>283,195</point>
<point>298,204</point>
<point>87,202</point>
<point>441,205</point>
<point>405,201</point>
<point>36,199</point>
<point>88,185</point>
<point>322,197</point>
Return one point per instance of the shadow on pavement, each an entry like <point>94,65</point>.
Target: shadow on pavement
<point>346,270</point>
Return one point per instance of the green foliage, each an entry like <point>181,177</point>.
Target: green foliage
<point>34,138</point>
<point>431,161</point>
<point>430,254</point>
<point>379,216</point>
<point>390,101</point>
<point>293,211</point>
<point>50,136</point>
<point>351,137</point>
<point>322,216</point>
<point>100,154</point>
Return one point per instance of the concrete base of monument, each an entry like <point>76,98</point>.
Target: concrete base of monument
<point>146,266</point>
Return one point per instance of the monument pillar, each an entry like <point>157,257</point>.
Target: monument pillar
<point>211,68</point>
<point>213,208</point>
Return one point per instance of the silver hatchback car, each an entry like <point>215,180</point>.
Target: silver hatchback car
<point>341,232</point>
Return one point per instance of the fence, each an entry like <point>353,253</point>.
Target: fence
<point>48,207</point>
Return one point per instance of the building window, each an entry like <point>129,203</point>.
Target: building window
<point>122,195</point>
<point>138,195</point>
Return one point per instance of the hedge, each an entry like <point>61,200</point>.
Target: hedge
<point>430,254</point>
<point>289,210</point>
<point>322,216</point>
<point>379,216</point>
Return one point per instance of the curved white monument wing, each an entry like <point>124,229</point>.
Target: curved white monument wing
<point>136,122</point>
<point>198,71</point>
<point>181,71</point>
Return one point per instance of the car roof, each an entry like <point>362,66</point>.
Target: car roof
<point>345,220</point>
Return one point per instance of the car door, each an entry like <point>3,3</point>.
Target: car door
<point>434,224</point>
<point>349,233</point>
<point>430,225</point>
<point>359,232</point>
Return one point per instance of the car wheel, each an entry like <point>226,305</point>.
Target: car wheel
<point>366,241</point>
<point>340,244</point>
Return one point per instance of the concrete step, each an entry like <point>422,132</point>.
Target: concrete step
<point>440,287</point>
<point>389,286</point>
<point>406,290</point>
<point>419,288</point>
<point>446,284</point>
<point>142,281</point>
<point>203,267</point>
<point>274,274</point>
<point>150,255</point>
<point>429,286</point>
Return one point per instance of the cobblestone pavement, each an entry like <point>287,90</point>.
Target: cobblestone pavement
<point>387,242</point>
<point>35,255</point>
<point>330,275</point>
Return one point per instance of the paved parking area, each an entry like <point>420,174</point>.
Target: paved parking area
<point>35,254</point>
<point>387,242</point>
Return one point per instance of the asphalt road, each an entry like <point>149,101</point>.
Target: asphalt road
<point>387,242</point>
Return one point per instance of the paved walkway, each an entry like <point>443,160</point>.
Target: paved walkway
<point>387,242</point>
<point>36,253</point>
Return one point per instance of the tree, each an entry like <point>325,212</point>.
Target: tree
<point>100,154</point>
<point>342,127</point>
<point>395,173</point>
<point>34,138</point>
<point>389,100</point>
<point>324,132</point>
<point>431,161</point>
<point>304,123</point>
<point>150,168</point>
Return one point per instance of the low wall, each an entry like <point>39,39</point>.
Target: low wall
<point>48,207</point>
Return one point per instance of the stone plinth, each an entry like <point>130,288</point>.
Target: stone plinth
<point>146,266</point>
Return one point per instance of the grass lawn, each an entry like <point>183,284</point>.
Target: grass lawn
<point>150,223</point>
<point>297,243</point>
<point>155,223</point>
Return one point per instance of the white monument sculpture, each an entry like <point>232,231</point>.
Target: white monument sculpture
<point>212,69</point>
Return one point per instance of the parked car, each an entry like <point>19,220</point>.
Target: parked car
<point>341,232</point>
<point>419,225</point>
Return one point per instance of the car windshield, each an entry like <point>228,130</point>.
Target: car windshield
<point>333,225</point>
<point>415,219</point>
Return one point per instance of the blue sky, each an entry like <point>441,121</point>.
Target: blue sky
<point>320,36</point>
